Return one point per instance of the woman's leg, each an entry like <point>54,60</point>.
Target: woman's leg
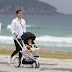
<point>20,55</point>
<point>18,48</point>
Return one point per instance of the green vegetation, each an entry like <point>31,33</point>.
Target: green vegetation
<point>42,54</point>
<point>56,55</point>
<point>5,52</point>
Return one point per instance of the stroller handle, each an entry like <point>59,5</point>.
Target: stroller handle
<point>18,38</point>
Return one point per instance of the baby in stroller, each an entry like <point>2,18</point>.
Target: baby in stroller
<point>29,42</point>
<point>30,45</point>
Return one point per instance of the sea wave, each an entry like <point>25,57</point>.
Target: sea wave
<point>30,26</point>
<point>55,39</point>
<point>6,39</point>
<point>9,26</point>
<point>43,41</point>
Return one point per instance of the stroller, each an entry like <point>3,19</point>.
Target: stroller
<point>28,57</point>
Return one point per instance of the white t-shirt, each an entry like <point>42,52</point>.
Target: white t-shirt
<point>18,27</point>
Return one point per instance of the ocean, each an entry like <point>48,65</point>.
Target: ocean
<point>52,31</point>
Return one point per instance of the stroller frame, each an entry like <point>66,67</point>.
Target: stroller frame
<point>27,58</point>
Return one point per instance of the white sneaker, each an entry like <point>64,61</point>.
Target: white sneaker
<point>10,60</point>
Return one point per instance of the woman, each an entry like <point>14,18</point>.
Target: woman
<point>18,27</point>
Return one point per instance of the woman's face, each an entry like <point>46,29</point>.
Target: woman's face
<point>19,14</point>
<point>29,41</point>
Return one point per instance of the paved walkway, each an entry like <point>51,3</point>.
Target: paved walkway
<point>46,65</point>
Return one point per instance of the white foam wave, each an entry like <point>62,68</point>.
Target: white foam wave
<point>30,26</point>
<point>43,41</point>
<point>9,27</point>
<point>55,39</point>
<point>6,39</point>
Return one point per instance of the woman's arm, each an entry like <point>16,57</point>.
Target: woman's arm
<point>24,28</point>
<point>13,28</point>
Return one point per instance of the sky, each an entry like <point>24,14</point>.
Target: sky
<point>63,6</point>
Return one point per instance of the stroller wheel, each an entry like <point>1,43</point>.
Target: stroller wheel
<point>38,65</point>
<point>17,62</point>
<point>31,65</point>
<point>34,65</point>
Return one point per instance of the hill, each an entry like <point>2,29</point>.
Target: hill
<point>28,6</point>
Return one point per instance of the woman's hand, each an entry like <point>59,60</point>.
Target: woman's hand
<point>15,34</point>
<point>24,32</point>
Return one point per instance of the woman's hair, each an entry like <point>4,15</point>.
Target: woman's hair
<point>17,11</point>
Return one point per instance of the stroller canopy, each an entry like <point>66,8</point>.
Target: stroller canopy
<point>28,35</point>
